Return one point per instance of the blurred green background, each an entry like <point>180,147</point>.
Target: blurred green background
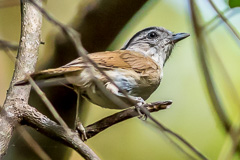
<point>191,114</point>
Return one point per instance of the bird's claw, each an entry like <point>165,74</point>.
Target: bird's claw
<point>81,130</point>
<point>141,116</point>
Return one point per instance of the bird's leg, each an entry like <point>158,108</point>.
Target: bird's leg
<point>78,124</point>
<point>81,130</point>
<point>140,102</point>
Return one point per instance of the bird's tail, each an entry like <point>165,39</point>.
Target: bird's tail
<point>47,74</point>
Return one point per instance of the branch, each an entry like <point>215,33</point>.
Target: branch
<point>30,116</point>
<point>225,20</point>
<point>107,122</point>
<point>33,144</point>
<point>5,44</point>
<point>215,100</point>
<point>27,58</point>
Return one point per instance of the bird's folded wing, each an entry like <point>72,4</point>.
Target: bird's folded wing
<point>123,59</point>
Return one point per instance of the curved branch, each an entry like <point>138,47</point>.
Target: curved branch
<point>32,117</point>
<point>25,64</point>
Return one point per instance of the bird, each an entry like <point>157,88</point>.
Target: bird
<point>134,70</point>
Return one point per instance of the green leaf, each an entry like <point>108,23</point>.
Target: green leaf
<point>234,3</point>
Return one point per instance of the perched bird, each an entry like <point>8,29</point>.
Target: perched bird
<point>137,69</point>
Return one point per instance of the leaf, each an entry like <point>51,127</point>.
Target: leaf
<point>234,3</point>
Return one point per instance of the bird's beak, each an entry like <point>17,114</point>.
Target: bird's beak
<point>179,36</point>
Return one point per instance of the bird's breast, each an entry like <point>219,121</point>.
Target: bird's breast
<point>141,84</point>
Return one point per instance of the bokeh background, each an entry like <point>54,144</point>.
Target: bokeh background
<point>191,115</point>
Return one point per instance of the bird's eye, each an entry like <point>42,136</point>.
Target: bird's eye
<point>152,35</point>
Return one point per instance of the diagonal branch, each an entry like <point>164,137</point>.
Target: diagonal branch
<point>33,144</point>
<point>107,122</point>
<point>9,45</point>
<point>225,20</point>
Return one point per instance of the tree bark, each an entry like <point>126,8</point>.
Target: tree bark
<point>25,64</point>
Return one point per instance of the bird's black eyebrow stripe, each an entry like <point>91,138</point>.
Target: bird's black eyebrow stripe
<point>137,34</point>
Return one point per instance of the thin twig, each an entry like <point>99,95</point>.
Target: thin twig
<point>9,45</point>
<point>48,103</point>
<point>214,19</point>
<point>225,74</point>
<point>233,137</point>
<point>232,28</point>
<point>162,127</point>
<point>210,25</point>
<point>107,122</point>
<point>10,54</point>
<point>33,144</point>
<point>8,3</point>
<point>215,100</point>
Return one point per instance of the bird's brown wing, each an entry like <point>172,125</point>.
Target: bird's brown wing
<point>117,59</point>
<point>123,59</point>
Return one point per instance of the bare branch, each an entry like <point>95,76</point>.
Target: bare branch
<point>27,57</point>
<point>107,122</point>
<point>33,144</point>
<point>215,100</point>
<point>43,124</point>
<point>30,116</point>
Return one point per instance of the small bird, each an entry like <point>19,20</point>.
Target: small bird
<point>137,69</point>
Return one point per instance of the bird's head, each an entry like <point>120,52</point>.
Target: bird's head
<point>156,42</point>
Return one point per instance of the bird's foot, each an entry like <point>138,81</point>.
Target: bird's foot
<point>138,106</point>
<point>81,130</point>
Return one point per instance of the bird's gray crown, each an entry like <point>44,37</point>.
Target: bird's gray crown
<point>145,36</point>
